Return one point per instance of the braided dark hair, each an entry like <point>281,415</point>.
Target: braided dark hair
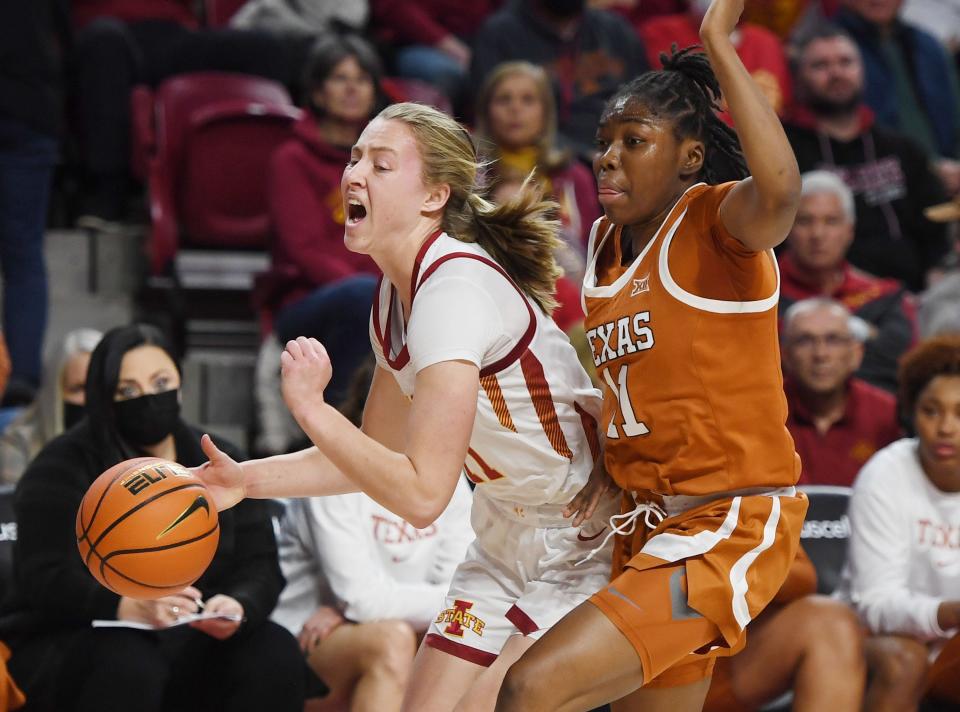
<point>687,92</point>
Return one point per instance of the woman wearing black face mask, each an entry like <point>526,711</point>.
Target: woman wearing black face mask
<point>58,406</point>
<point>60,661</point>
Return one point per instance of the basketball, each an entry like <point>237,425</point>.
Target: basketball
<point>147,528</point>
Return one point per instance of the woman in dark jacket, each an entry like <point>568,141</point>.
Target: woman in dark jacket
<point>61,662</point>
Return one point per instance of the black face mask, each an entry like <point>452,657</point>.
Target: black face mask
<point>564,9</point>
<point>72,414</point>
<point>148,419</point>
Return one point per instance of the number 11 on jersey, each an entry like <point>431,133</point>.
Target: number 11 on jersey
<point>631,426</point>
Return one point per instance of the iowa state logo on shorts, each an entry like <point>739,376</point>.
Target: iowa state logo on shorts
<point>460,619</point>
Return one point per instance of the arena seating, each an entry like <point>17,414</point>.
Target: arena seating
<point>208,143</point>
<point>217,13</point>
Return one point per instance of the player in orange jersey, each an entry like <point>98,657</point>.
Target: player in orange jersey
<point>680,294</point>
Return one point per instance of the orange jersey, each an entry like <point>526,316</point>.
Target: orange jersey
<point>685,342</point>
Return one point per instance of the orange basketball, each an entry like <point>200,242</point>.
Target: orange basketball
<point>147,528</point>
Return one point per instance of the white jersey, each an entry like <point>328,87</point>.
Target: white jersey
<point>350,553</point>
<point>904,558</point>
<point>534,439</point>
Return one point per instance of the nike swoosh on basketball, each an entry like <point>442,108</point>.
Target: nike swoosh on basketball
<point>199,503</point>
<point>581,537</point>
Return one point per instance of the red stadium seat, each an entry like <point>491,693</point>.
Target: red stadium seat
<point>398,90</point>
<point>217,13</point>
<point>212,137</point>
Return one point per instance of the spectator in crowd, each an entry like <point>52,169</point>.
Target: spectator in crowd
<point>785,17</point>
<point>837,421</point>
<point>58,407</point>
<point>904,559</point>
<point>60,661</point>
<point>889,174</point>
<point>316,286</point>
<point>431,39</point>
<point>304,20</point>
<point>814,264</point>
<point>363,584</point>
<point>941,18</point>
<point>121,43</point>
<point>911,80</point>
<point>587,53</point>
<point>759,49</point>
<point>33,36</point>
<point>516,130</point>
<point>807,644</point>
<point>939,311</point>
<point>639,11</point>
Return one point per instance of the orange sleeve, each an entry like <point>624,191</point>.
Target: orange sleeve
<point>708,208</point>
<point>801,580</point>
<point>715,264</point>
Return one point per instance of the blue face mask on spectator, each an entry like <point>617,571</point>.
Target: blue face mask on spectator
<point>148,419</point>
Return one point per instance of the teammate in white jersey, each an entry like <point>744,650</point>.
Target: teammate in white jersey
<point>904,559</point>
<point>472,375</point>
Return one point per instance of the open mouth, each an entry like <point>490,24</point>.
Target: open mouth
<point>356,212</point>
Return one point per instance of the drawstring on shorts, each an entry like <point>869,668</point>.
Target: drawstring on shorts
<point>629,524</point>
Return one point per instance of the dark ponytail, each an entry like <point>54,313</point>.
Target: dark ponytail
<point>687,92</point>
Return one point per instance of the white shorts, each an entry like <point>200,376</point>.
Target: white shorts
<point>518,579</point>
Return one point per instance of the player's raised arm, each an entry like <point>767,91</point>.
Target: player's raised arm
<point>760,211</point>
<point>414,476</point>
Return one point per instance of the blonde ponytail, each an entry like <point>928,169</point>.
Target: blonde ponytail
<point>520,234</point>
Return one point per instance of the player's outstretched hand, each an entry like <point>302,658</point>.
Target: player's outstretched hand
<point>221,475</point>
<point>584,504</point>
<point>305,370</point>
<point>721,18</point>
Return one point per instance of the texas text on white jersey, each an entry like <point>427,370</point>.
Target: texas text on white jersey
<point>534,439</point>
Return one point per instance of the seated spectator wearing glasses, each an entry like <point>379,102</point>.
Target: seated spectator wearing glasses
<point>61,662</point>
<point>890,174</point>
<point>904,559</point>
<point>58,407</point>
<point>837,421</point>
<point>316,286</point>
<point>814,263</point>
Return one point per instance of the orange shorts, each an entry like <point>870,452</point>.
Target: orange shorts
<point>650,608</point>
<point>683,592</point>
